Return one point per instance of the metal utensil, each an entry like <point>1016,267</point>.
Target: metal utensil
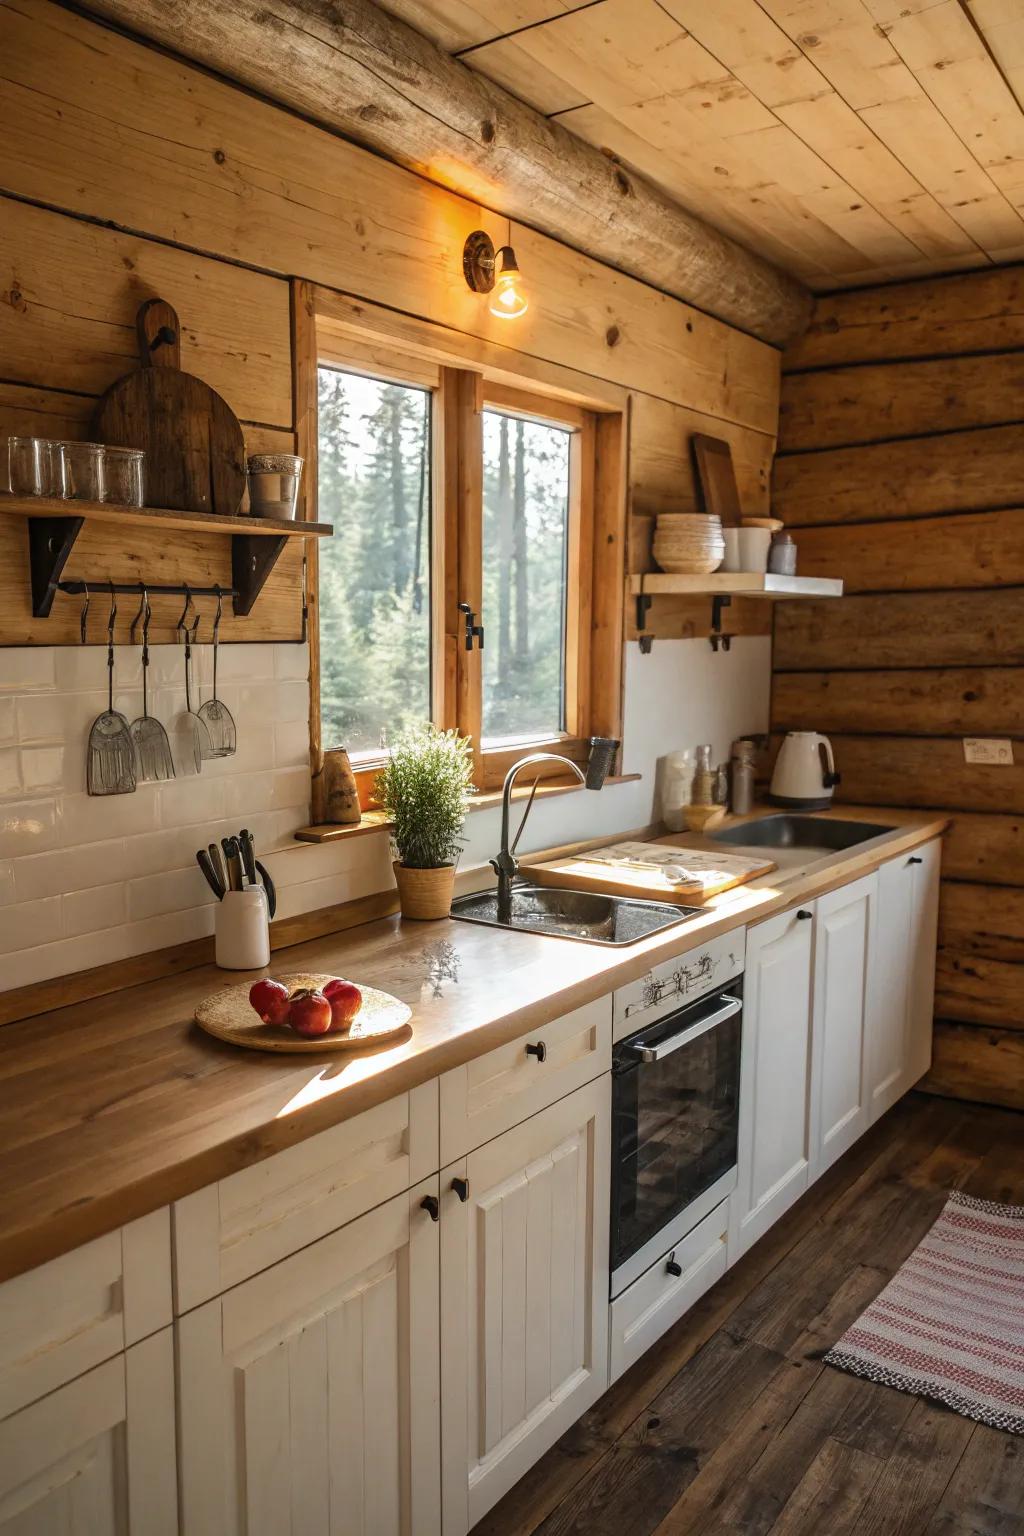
<point>248,851</point>
<point>191,734</point>
<point>233,860</point>
<point>218,866</point>
<point>206,865</point>
<point>110,765</point>
<point>153,760</point>
<point>268,886</point>
<point>216,715</point>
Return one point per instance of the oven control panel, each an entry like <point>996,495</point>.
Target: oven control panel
<point>672,984</point>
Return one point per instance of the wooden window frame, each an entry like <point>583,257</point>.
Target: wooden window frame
<point>465,376</point>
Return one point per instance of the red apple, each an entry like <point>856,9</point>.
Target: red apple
<point>310,1013</point>
<point>271,1001</point>
<point>346,1000</point>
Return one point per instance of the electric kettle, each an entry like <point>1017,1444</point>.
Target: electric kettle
<point>805,772</point>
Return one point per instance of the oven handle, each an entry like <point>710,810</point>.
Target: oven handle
<point>648,1053</point>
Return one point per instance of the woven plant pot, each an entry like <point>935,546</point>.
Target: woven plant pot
<point>425,893</point>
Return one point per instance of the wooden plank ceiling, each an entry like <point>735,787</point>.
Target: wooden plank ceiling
<point>850,141</point>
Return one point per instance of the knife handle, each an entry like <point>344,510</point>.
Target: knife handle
<point>268,886</point>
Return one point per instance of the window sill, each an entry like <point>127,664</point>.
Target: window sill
<point>376,821</point>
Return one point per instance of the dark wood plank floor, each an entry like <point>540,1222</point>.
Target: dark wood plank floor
<point>731,1424</point>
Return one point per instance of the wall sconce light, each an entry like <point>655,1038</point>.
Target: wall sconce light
<point>495,273</point>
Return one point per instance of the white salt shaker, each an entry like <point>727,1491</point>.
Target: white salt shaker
<point>243,930</point>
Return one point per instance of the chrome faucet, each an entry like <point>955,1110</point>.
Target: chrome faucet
<point>506,865</point>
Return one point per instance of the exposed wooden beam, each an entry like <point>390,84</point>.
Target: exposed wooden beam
<point>363,73</point>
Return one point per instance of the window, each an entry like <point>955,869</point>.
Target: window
<point>448,487</point>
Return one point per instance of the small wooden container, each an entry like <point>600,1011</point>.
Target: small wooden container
<point>425,894</point>
<point>339,790</point>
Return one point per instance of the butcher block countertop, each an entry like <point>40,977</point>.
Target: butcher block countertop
<point>116,1106</point>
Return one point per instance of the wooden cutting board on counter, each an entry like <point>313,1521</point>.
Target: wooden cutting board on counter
<point>637,869</point>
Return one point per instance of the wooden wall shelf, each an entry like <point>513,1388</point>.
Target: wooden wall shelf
<point>736,584</point>
<point>54,524</point>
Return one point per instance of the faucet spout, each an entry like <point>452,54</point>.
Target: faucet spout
<point>505,864</point>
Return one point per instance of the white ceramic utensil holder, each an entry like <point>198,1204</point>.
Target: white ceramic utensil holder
<point>243,930</point>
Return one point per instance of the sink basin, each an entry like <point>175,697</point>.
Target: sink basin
<point>810,834</point>
<point>582,915</point>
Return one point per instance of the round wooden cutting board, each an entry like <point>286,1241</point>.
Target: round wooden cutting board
<point>230,1016</point>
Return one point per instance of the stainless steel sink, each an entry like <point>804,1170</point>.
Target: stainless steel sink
<point>813,835</point>
<point>582,915</point>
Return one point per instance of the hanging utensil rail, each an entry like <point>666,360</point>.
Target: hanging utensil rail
<point>137,588</point>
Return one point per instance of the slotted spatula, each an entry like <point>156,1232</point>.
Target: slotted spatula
<point>110,766</point>
<point>153,760</point>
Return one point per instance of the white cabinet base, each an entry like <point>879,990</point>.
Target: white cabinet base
<point>659,1298</point>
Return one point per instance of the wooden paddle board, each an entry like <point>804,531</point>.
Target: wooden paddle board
<point>195,451</point>
<point>229,1015</point>
<point>637,869</point>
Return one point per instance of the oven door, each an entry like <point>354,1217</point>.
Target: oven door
<point>675,1109</point>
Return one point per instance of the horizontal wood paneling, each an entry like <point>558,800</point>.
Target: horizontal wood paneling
<point>841,406</point>
<point>960,701</point>
<point>983,1064</point>
<point>689,618</point>
<point>916,477</point>
<point>74,290</point>
<point>938,316</point>
<point>980,977</point>
<point>190,159</point>
<point>982,549</point>
<point>660,437</point>
<point>913,629</point>
<point>923,771</point>
<point>986,848</point>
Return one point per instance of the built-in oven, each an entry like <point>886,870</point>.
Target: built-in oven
<point>675,1117</point>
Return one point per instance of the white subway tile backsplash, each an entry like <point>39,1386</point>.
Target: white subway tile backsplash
<point>6,881</point>
<point>8,720</point>
<point>95,818</point>
<point>104,906</point>
<point>71,869</point>
<point>10,771</point>
<point>25,924</point>
<point>292,661</point>
<point>244,662</point>
<point>43,768</point>
<point>28,826</point>
<point>174,890</point>
<point>291,745</point>
<point>27,667</point>
<point>186,802</point>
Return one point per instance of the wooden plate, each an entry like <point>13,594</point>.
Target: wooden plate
<point>230,1016</point>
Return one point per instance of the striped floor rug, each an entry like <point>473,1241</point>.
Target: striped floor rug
<point>950,1324</point>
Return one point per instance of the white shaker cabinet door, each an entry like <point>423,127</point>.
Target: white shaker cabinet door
<point>844,943</point>
<point>924,864</point>
<point>96,1457</point>
<point>775,1076</point>
<point>524,1296</point>
<point>309,1395</point>
<point>888,1046</point>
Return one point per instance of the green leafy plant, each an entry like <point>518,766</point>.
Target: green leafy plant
<point>424,788</point>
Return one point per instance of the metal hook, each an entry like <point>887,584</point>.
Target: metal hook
<point>113,613</point>
<point>220,606</point>
<point>180,626</point>
<point>84,620</point>
<point>141,613</point>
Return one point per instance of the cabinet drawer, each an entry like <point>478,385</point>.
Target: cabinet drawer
<point>74,1312</point>
<point>658,1299</point>
<point>229,1231</point>
<point>485,1097</point>
<point>674,983</point>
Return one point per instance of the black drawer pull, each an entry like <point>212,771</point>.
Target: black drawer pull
<point>915,859</point>
<point>672,1267</point>
<point>430,1205</point>
<point>804,915</point>
<point>461,1188</point>
<point>539,1050</point>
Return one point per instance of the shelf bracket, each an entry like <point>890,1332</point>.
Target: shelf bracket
<point>719,602</point>
<point>50,542</point>
<point>643,604</point>
<point>253,557</point>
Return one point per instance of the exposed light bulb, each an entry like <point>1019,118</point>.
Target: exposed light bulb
<point>508,301</point>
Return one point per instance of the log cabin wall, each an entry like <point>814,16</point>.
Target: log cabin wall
<point>126,174</point>
<point>901,467</point>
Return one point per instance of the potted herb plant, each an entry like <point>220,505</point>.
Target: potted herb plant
<point>424,788</point>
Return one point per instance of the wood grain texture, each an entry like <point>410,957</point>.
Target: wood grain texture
<point>980,975</point>
<point>121,1105</point>
<point>985,848</point>
<point>963,629</point>
<point>945,316</point>
<point>930,770</point>
<point>954,701</point>
<point>662,477</point>
<point>981,549</point>
<point>838,407</point>
<point>985,1065</point>
<point>192,159</point>
<point>915,477</point>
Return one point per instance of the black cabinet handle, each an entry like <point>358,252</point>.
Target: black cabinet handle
<point>804,916</point>
<point>461,1188</point>
<point>914,859</point>
<point>672,1267</point>
<point>430,1205</point>
<point>539,1050</point>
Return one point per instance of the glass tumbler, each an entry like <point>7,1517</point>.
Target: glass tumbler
<point>83,471</point>
<point>273,483</point>
<point>35,467</point>
<point>124,476</point>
